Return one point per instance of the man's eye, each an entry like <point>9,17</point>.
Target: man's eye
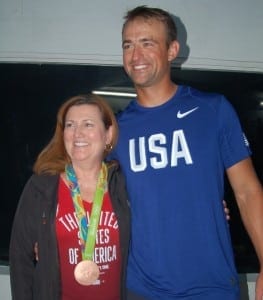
<point>126,46</point>
<point>88,124</point>
<point>147,44</point>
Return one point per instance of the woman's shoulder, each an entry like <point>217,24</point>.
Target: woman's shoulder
<point>44,178</point>
<point>43,181</point>
<point>112,165</point>
<point>114,168</point>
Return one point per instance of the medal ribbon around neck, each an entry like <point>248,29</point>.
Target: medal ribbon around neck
<point>87,233</point>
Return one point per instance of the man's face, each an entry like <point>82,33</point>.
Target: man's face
<point>146,57</point>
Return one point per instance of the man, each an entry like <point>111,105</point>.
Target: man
<point>179,143</point>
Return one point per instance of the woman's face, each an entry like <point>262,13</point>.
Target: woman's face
<point>85,135</point>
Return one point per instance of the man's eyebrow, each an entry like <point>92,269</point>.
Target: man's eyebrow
<point>146,39</point>
<point>126,42</point>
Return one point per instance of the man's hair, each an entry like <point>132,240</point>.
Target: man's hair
<point>148,13</point>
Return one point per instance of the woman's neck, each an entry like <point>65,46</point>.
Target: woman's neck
<point>87,173</point>
<point>87,177</point>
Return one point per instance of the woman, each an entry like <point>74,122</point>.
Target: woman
<point>71,230</point>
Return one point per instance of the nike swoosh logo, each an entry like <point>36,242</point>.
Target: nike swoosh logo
<point>182,115</point>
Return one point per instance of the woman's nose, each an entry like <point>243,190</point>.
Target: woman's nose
<point>78,130</point>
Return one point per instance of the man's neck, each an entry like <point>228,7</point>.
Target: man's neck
<point>155,96</point>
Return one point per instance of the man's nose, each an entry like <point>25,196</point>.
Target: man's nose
<point>137,52</point>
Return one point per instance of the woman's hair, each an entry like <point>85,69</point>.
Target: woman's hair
<point>158,14</point>
<point>53,158</point>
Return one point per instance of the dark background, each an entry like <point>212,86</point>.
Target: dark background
<point>32,93</point>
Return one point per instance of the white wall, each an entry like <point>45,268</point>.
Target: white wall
<point>5,292</point>
<point>220,34</point>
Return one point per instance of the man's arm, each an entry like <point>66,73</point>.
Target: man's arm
<point>249,196</point>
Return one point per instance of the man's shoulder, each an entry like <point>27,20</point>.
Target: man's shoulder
<point>198,93</point>
<point>128,111</point>
<point>212,100</point>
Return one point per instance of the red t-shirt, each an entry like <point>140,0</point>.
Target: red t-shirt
<point>106,253</point>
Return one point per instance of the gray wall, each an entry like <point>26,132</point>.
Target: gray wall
<point>247,283</point>
<point>218,34</point>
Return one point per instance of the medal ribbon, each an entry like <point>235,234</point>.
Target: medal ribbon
<point>87,233</point>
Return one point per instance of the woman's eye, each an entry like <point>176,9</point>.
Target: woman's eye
<point>88,124</point>
<point>68,125</point>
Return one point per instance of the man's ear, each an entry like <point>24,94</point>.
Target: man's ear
<point>173,50</point>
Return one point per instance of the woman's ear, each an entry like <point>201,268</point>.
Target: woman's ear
<point>109,135</point>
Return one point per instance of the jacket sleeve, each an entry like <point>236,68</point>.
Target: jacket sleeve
<point>23,238</point>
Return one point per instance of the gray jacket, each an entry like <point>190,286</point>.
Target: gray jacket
<point>35,222</point>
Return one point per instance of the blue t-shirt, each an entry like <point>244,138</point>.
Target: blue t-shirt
<point>174,157</point>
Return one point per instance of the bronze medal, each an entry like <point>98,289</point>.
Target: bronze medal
<point>86,272</point>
